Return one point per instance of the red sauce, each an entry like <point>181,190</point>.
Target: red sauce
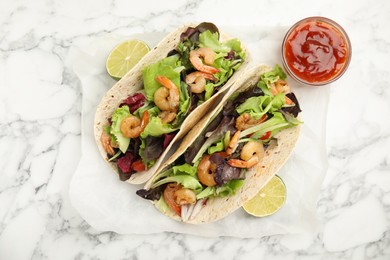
<point>315,51</point>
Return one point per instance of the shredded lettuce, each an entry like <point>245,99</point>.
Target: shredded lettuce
<point>120,114</point>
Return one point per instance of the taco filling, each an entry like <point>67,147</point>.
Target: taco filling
<point>235,140</point>
<point>145,123</point>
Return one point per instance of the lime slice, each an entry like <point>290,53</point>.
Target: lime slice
<point>124,57</point>
<point>269,199</point>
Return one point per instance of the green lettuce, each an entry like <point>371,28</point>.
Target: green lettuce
<point>235,45</point>
<point>163,206</point>
<point>209,39</point>
<point>184,105</point>
<point>120,114</point>
<point>226,67</point>
<point>147,161</point>
<point>270,77</point>
<point>184,169</point>
<point>209,90</point>
<point>169,67</point>
<point>227,189</point>
<point>258,106</point>
<point>155,127</point>
<point>186,181</point>
<point>274,125</point>
<point>220,146</point>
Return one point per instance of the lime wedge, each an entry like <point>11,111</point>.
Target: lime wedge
<point>124,57</point>
<point>269,199</point>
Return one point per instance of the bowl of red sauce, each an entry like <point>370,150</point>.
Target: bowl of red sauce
<point>316,51</point>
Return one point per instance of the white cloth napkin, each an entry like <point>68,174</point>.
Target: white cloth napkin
<point>108,204</point>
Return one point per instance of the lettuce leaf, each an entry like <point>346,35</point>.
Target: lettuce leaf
<point>186,181</point>
<point>227,189</point>
<point>235,45</point>
<point>226,69</point>
<point>277,123</point>
<point>163,206</point>
<point>168,67</point>
<point>220,146</point>
<point>184,169</point>
<point>209,90</point>
<point>227,124</point>
<point>211,40</point>
<point>150,150</point>
<point>270,77</point>
<point>120,114</point>
<point>258,106</point>
<point>226,66</point>
<point>184,105</point>
<point>155,127</point>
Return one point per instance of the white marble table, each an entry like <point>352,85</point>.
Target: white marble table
<point>40,101</point>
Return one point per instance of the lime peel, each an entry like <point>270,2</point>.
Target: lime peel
<point>268,200</point>
<point>124,57</point>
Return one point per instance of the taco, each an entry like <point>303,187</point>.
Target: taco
<point>163,96</point>
<point>232,153</point>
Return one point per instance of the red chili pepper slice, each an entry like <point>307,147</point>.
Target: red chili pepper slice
<point>138,166</point>
<point>266,135</point>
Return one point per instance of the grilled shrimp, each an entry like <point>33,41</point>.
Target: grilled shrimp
<point>233,143</point>
<point>167,116</point>
<point>105,139</point>
<point>206,171</point>
<point>167,97</point>
<point>251,154</point>
<point>168,194</point>
<point>132,126</point>
<point>208,56</point>
<point>184,196</point>
<point>197,81</point>
<point>245,121</point>
<point>281,86</point>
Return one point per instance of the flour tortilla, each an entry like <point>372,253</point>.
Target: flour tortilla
<point>256,177</point>
<point>132,82</point>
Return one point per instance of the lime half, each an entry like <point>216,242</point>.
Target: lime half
<point>269,199</point>
<point>124,57</point>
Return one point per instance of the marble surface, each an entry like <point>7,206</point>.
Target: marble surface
<point>40,104</point>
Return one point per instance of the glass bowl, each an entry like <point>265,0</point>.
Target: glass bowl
<point>308,47</point>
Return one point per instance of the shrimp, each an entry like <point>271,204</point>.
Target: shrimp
<point>208,56</point>
<point>251,154</point>
<point>184,196</point>
<point>197,81</point>
<point>168,194</point>
<point>245,121</point>
<point>167,116</point>
<point>233,143</point>
<point>281,86</point>
<point>132,126</point>
<point>206,171</point>
<point>166,97</point>
<point>105,139</point>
